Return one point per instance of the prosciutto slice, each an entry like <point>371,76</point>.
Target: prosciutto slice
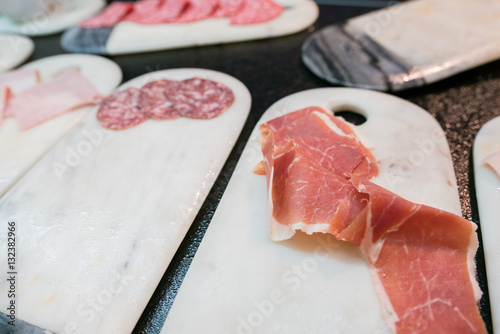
<point>19,80</point>
<point>69,90</point>
<point>421,258</point>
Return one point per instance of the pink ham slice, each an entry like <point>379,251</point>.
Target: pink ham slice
<point>21,79</point>
<point>69,90</point>
<point>493,160</point>
<point>110,16</point>
<point>318,181</point>
<point>197,10</point>
<point>156,12</point>
<point>4,97</point>
<point>257,11</point>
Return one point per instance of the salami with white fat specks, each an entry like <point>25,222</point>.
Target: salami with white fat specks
<point>228,8</point>
<point>197,10</point>
<point>154,103</point>
<point>121,110</point>
<point>257,11</point>
<point>200,98</point>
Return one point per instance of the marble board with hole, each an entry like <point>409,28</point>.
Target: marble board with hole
<point>407,45</point>
<point>130,37</point>
<point>242,282</point>
<point>103,213</point>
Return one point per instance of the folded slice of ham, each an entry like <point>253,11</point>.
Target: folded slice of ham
<point>4,96</point>
<point>110,16</point>
<point>493,160</point>
<point>421,258</point>
<point>69,90</point>
<point>21,79</point>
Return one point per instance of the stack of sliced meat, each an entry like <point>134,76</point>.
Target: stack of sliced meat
<point>31,102</point>
<point>422,258</point>
<point>185,11</point>
<point>165,99</point>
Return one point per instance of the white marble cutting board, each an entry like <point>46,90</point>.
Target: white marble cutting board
<point>19,150</point>
<point>96,238</point>
<point>130,37</point>
<point>66,14</point>
<point>242,282</point>
<point>408,45</point>
<point>14,50</point>
<point>488,201</point>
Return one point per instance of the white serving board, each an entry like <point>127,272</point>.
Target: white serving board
<point>106,229</point>
<point>19,150</point>
<point>488,201</point>
<point>14,50</point>
<point>71,12</point>
<point>242,282</point>
<point>408,45</point>
<point>130,37</point>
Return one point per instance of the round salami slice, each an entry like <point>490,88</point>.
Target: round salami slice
<point>197,10</point>
<point>228,8</point>
<point>154,103</point>
<point>121,110</point>
<point>200,98</point>
<point>257,11</point>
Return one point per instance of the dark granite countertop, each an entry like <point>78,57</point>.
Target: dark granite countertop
<point>272,69</point>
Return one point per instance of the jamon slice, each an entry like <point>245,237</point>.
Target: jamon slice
<point>154,103</point>
<point>228,8</point>
<point>110,16</point>
<point>165,11</point>
<point>19,80</point>
<point>493,160</point>
<point>4,96</point>
<point>257,11</point>
<point>69,90</point>
<point>421,258</point>
<point>197,10</point>
<point>302,149</point>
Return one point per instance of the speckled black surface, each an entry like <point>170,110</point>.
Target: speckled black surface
<point>272,69</point>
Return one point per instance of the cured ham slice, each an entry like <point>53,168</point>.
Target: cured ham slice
<point>110,16</point>
<point>421,258</point>
<point>19,80</point>
<point>4,96</point>
<point>69,90</point>
<point>256,11</point>
<point>493,160</point>
<point>197,10</point>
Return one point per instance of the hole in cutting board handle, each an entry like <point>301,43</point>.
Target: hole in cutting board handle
<point>351,116</point>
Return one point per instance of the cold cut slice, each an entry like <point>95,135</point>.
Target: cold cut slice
<point>4,96</point>
<point>110,16</point>
<point>197,10</point>
<point>228,8</point>
<point>19,80</point>
<point>422,258</point>
<point>166,11</point>
<point>200,98</point>
<point>154,103</point>
<point>69,90</point>
<point>493,160</point>
<point>256,11</point>
<point>121,110</point>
